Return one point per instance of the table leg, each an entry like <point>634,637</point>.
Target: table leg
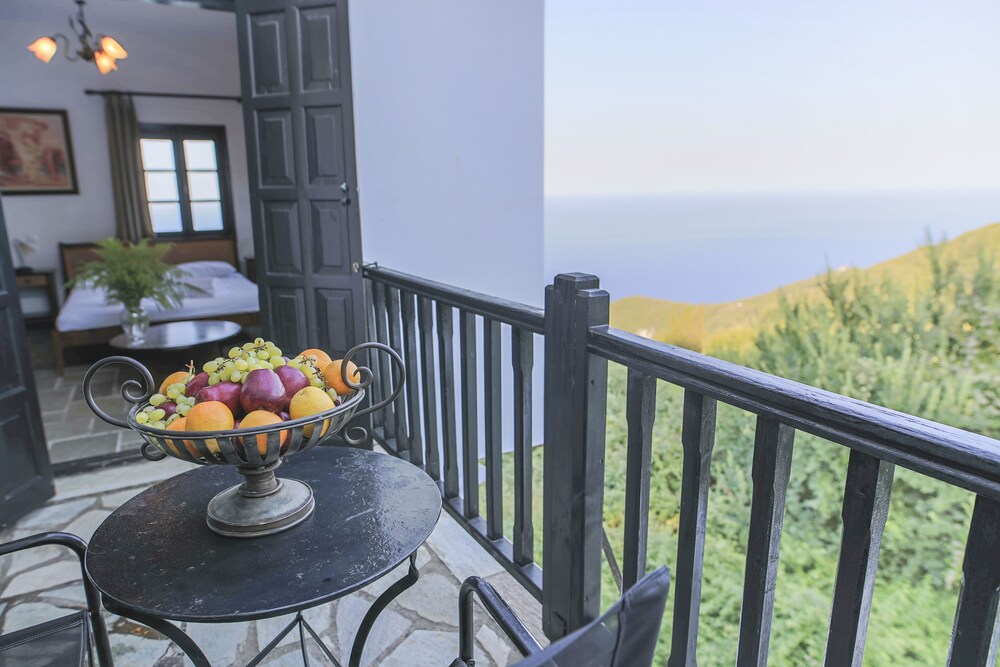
<point>381,603</point>
<point>164,627</point>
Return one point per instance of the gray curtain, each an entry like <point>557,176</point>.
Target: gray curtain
<point>131,212</point>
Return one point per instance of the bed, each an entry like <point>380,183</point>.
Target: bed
<point>86,318</point>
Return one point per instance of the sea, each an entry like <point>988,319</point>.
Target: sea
<point>708,248</point>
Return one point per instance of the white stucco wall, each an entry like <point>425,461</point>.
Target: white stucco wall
<point>448,100</point>
<point>206,63</point>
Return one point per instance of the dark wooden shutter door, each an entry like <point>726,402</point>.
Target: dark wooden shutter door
<point>25,474</point>
<point>298,113</point>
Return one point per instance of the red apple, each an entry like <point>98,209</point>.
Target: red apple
<point>293,379</point>
<point>263,390</point>
<point>196,384</point>
<point>224,392</point>
<point>168,407</point>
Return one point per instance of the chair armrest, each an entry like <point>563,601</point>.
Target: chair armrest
<point>501,612</point>
<point>79,547</point>
<point>73,542</point>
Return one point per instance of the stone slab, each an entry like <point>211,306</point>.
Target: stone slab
<point>388,629</point>
<point>43,578</point>
<point>460,552</point>
<point>424,647</point>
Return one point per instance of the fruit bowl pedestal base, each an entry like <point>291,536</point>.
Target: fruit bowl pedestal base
<point>262,505</point>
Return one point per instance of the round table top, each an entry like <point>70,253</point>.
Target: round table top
<point>180,335</point>
<point>155,554</point>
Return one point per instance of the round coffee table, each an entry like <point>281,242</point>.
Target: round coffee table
<point>155,560</point>
<point>180,335</point>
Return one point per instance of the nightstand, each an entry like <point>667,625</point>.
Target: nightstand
<point>38,296</point>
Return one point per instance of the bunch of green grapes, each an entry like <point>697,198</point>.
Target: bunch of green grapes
<point>242,360</point>
<point>175,393</point>
<point>308,366</point>
<point>153,416</point>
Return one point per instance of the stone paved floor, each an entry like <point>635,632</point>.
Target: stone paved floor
<point>71,428</point>
<point>418,628</point>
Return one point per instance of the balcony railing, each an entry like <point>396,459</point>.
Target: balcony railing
<point>416,317</point>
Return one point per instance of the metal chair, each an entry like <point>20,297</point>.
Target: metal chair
<point>62,642</point>
<point>624,636</point>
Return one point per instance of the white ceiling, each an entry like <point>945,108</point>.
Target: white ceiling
<point>117,17</point>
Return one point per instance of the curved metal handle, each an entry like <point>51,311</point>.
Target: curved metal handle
<point>151,453</point>
<point>360,432</point>
<point>129,387</point>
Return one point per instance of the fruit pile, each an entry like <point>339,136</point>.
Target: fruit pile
<point>255,385</point>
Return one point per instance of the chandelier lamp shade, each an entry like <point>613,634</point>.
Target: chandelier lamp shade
<point>102,50</point>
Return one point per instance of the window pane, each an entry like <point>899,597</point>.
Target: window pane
<point>199,154</point>
<point>166,217</point>
<point>161,186</point>
<point>157,153</point>
<point>203,185</point>
<point>206,216</point>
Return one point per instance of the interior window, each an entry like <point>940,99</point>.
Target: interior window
<point>186,177</point>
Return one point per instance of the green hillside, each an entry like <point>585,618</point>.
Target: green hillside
<point>712,328</point>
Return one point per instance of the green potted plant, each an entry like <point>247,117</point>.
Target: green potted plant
<point>131,272</point>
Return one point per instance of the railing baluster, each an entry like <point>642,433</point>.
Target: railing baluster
<point>697,439</point>
<point>470,414</point>
<point>399,405</point>
<point>412,387</point>
<point>640,410</point>
<point>446,357</point>
<point>493,427</point>
<point>866,506</point>
<point>382,336</point>
<point>772,460</point>
<point>522,358</point>
<point>373,360</point>
<point>974,636</point>
<point>425,314</point>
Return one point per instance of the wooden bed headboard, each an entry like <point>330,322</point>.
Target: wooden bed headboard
<point>75,255</point>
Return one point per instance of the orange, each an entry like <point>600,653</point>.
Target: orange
<point>322,358</point>
<point>174,378</point>
<point>309,401</point>
<point>210,416</point>
<point>262,418</point>
<point>180,425</point>
<point>333,378</point>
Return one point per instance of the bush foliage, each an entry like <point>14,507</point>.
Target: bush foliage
<point>931,350</point>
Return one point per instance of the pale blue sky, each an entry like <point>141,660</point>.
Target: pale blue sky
<point>665,96</point>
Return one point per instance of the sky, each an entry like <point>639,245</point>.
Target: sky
<point>662,96</point>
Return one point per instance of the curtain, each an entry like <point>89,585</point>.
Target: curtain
<point>131,213</point>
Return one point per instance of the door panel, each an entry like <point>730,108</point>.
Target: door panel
<point>269,67</point>
<point>281,251</point>
<point>331,239</point>
<point>25,475</point>
<point>298,111</point>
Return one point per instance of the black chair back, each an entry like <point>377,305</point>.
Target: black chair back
<point>624,636</point>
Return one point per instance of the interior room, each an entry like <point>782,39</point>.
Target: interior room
<point>182,97</point>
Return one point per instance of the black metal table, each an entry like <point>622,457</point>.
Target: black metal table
<point>155,559</point>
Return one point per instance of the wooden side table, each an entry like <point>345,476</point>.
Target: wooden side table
<point>38,283</point>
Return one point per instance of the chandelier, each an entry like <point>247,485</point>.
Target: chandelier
<point>102,50</point>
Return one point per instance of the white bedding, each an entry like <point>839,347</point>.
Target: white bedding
<point>87,308</point>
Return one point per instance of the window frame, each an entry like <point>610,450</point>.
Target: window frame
<point>178,133</point>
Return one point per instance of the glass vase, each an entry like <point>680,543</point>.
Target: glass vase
<point>135,324</point>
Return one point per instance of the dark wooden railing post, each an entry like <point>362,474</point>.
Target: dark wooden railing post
<point>974,636</point>
<point>772,463</point>
<point>575,412</point>
<point>697,439</point>
<point>865,509</point>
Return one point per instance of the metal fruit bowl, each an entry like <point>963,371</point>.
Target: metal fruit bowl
<point>241,447</point>
<point>263,504</point>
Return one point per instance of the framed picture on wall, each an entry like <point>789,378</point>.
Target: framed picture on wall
<point>36,153</point>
